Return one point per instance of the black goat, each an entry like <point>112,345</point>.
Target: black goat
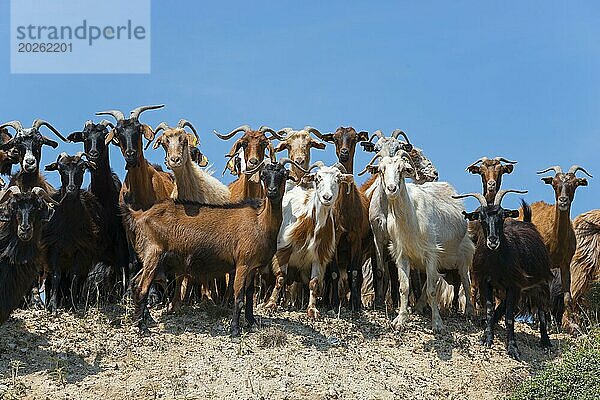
<point>106,186</point>
<point>27,146</point>
<point>511,258</point>
<point>75,239</point>
<point>22,216</point>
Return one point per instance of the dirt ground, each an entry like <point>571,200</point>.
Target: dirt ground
<point>190,355</point>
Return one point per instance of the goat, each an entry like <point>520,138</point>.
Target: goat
<point>8,156</point>
<point>426,231</point>
<point>212,240</point>
<point>75,240</point>
<point>491,171</point>
<point>106,186</point>
<point>253,144</point>
<point>191,182</point>
<point>554,224</point>
<point>511,258</point>
<point>379,278</point>
<point>27,144</point>
<point>345,140</point>
<point>585,264</point>
<point>307,239</point>
<point>22,217</point>
<point>298,144</point>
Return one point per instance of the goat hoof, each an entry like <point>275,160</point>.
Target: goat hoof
<point>313,313</point>
<point>513,351</point>
<point>399,321</point>
<point>235,332</point>
<point>487,341</point>
<point>271,306</point>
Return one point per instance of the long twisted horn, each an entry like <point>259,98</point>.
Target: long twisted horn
<point>106,123</point>
<point>501,193</point>
<point>397,132</point>
<point>377,133</point>
<point>557,169</point>
<point>38,123</point>
<point>184,122</point>
<point>504,160</point>
<point>16,125</point>
<point>285,160</point>
<point>135,113</point>
<point>482,159</point>
<point>266,129</point>
<point>5,194</point>
<point>43,194</point>
<point>161,127</point>
<point>116,114</point>
<point>284,132</point>
<point>243,128</point>
<point>370,164</point>
<point>478,196</point>
<point>576,168</point>
<point>318,134</point>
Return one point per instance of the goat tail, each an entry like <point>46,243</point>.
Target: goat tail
<point>526,211</point>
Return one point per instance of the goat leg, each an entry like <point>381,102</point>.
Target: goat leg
<point>488,292</point>
<point>239,290</point>
<point>316,279</point>
<point>140,293</point>
<point>249,304</point>
<point>544,317</point>
<point>404,286</point>
<point>355,276</point>
<point>54,289</point>
<point>433,278</point>
<point>509,319</point>
<point>335,283</point>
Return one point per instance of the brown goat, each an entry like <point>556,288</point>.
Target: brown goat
<point>554,224</point>
<point>298,145</point>
<point>491,171</point>
<point>585,264</point>
<point>345,140</point>
<point>253,145</point>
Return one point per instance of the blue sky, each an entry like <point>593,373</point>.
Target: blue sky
<point>463,79</point>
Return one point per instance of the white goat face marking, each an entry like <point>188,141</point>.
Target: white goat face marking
<point>393,171</point>
<point>327,184</point>
<point>299,148</point>
<point>29,161</point>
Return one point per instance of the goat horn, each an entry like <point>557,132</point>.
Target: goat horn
<point>16,125</point>
<point>482,159</point>
<point>341,167</point>
<point>38,123</point>
<point>377,133</point>
<point>184,122</point>
<point>266,129</point>
<point>284,132</point>
<point>43,194</point>
<point>116,114</point>
<point>576,168</point>
<point>501,193</point>
<point>161,127</point>
<point>557,169</point>
<point>88,123</point>
<point>285,160</point>
<point>243,128</point>
<point>504,160</point>
<point>314,131</point>
<point>478,196</point>
<point>397,132</point>
<point>135,113</point>
<point>318,164</point>
<point>375,157</point>
<point>106,123</point>
<point>5,194</point>
<point>255,169</point>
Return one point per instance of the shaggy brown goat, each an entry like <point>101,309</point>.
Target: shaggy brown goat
<point>585,264</point>
<point>8,156</point>
<point>554,224</point>
<point>298,145</point>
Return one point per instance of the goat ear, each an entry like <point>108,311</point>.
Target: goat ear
<point>231,166</point>
<point>110,137</point>
<point>582,182</point>
<point>202,160</point>
<point>317,145</point>
<point>75,137</point>
<point>328,137</point>
<point>49,142</point>
<point>147,132</point>
<point>471,216</point>
<point>47,213</point>
<point>507,169</point>
<point>280,147</point>
<point>234,149</point>
<point>474,169</point>
<point>4,215</point>
<point>51,167</point>
<point>363,136</point>
<point>548,180</point>
<point>368,146</point>
<point>157,142</point>
<point>409,172</point>
<point>511,213</point>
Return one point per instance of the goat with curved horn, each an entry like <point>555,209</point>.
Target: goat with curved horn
<point>285,160</point>
<point>576,168</point>
<point>313,130</point>
<point>5,194</point>
<point>478,196</point>
<point>482,159</point>
<point>557,169</point>
<point>242,128</point>
<point>135,113</point>
<point>16,125</point>
<point>266,129</point>
<point>501,193</point>
<point>397,132</point>
<point>38,123</point>
<point>185,123</point>
<point>116,114</point>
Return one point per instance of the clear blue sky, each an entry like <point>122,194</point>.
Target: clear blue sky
<point>463,79</point>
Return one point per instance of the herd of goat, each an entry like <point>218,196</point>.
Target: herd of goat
<point>280,235</point>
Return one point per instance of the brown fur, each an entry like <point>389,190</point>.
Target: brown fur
<point>491,172</point>
<point>585,264</point>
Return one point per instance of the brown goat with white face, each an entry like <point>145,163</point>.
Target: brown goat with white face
<point>298,144</point>
<point>491,171</point>
<point>554,224</point>
<point>253,144</point>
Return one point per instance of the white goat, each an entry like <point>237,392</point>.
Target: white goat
<point>426,229</point>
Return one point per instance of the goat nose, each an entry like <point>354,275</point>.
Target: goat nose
<point>175,159</point>
<point>130,153</point>
<point>253,161</point>
<point>563,199</point>
<point>327,197</point>
<point>30,161</point>
<point>491,184</point>
<point>71,188</point>
<point>391,188</point>
<point>93,153</point>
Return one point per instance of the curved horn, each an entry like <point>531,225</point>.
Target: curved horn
<point>266,129</point>
<point>5,194</point>
<point>161,127</point>
<point>38,123</point>
<point>482,159</point>
<point>242,128</point>
<point>576,168</point>
<point>318,164</point>
<point>88,123</point>
<point>504,160</point>
<point>184,122</point>
<point>255,169</point>
<point>397,132</point>
<point>284,132</point>
<point>16,125</point>
<point>501,193</point>
<point>341,167</point>
<point>478,196</point>
<point>557,169</point>
<point>116,114</point>
<point>135,113</point>
<point>375,157</point>
<point>377,133</point>
<point>106,123</point>
<point>314,131</point>
<point>285,160</point>
<point>43,194</point>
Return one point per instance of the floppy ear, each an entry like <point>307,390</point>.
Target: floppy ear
<point>317,145</point>
<point>368,146</point>
<point>511,213</point>
<point>471,216</point>
<point>75,137</point>
<point>474,169</point>
<point>157,142</point>
<point>234,149</point>
<point>110,137</point>
<point>51,167</point>
<point>507,169</point>
<point>582,182</point>
<point>147,132</point>
<point>363,136</point>
<point>548,180</point>
<point>232,166</point>
<point>201,159</point>
<point>49,142</point>
<point>328,137</point>
<point>281,146</point>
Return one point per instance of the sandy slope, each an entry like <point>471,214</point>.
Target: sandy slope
<point>189,355</point>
